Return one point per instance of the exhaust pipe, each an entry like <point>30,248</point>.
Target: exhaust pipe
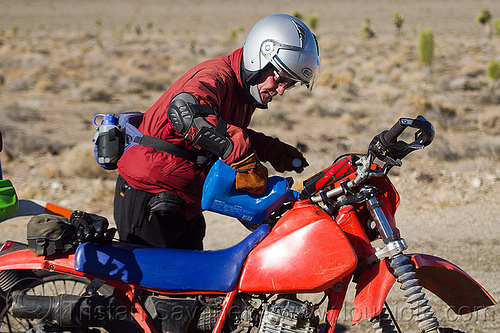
<point>75,311</point>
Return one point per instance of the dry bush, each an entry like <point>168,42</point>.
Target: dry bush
<point>76,162</point>
<point>277,118</point>
<point>45,85</point>
<point>79,162</point>
<point>418,100</point>
<point>388,94</point>
<point>489,97</point>
<point>325,104</point>
<point>95,92</point>
<point>139,82</point>
<point>24,111</point>
<point>20,84</point>
<point>326,79</point>
<point>344,77</point>
<point>484,146</point>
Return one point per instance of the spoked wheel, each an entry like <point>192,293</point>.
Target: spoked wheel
<point>39,283</point>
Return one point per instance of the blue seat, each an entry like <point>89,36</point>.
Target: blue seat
<point>168,269</point>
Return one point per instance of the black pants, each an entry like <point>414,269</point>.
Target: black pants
<point>136,225</point>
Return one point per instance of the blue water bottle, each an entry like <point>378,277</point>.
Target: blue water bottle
<point>109,140</point>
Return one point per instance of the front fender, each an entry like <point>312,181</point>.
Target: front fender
<point>450,283</point>
<point>437,275</point>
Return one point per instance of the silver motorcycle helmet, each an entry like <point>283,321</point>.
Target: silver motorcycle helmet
<point>285,43</point>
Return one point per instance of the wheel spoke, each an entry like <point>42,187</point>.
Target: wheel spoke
<point>47,285</point>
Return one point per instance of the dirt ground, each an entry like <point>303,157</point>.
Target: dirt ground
<point>61,63</point>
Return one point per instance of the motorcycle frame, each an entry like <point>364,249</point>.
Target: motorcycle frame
<point>374,281</point>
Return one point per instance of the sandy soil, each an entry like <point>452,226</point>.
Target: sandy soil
<point>63,62</point>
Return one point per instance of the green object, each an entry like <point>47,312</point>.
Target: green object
<point>484,17</point>
<point>8,199</point>
<point>426,46</point>
<point>493,69</point>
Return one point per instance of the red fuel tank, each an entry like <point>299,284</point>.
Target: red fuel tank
<point>306,252</point>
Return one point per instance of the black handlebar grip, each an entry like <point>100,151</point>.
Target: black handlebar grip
<point>391,135</point>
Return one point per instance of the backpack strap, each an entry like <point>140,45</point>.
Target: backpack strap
<point>162,145</point>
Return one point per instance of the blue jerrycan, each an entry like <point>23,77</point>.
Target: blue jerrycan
<point>221,196</point>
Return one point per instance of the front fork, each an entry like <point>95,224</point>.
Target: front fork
<point>403,270</point>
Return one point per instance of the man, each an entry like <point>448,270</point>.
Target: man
<point>203,116</point>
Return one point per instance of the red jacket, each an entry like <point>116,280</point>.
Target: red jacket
<point>215,82</point>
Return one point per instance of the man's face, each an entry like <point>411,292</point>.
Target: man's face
<point>271,84</point>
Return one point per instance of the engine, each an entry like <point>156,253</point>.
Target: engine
<point>290,316</point>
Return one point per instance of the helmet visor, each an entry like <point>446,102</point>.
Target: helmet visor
<point>298,63</point>
<point>284,79</point>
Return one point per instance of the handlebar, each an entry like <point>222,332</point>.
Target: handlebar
<point>392,147</point>
<point>396,130</point>
<point>363,172</point>
<point>388,148</point>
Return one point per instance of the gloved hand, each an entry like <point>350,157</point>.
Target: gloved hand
<point>91,228</point>
<point>251,175</point>
<point>281,155</point>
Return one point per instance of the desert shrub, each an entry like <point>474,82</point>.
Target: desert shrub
<point>20,84</point>
<point>156,83</point>
<point>313,19</point>
<point>15,30</point>
<point>24,111</point>
<point>484,18</point>
<point>79,162</point>
<point>497,27</point>
<point>388,94</point>
<point>149,26</point>
<point>426,46</point>
<point>344,76</point>
<point>235,32</point>
<point>419,101</point>
<point>98,24</point>
<point>33,60</point>
<point>278,118</point>
<point>325,107</point>
<point>298,15</point>
<point>366,30</point>
<point>398,22</point>
<point>93,92</point>
<point>313,22</point>
<point>493,70</point>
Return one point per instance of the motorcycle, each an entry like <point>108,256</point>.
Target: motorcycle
<point>317,241</point>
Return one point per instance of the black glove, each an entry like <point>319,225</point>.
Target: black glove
<point>281,156</point>
<point>91,228</point>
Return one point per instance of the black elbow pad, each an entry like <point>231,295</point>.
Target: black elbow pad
<point>187,116</point>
